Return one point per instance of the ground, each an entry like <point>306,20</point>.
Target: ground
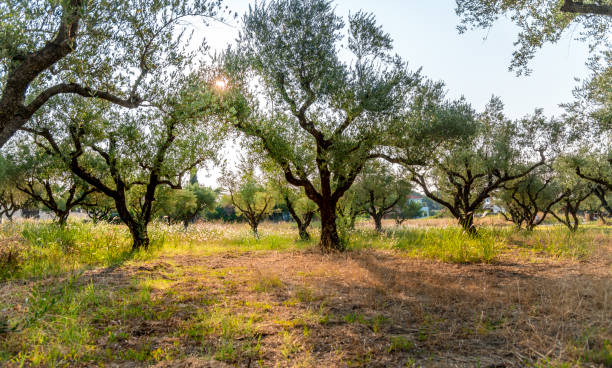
<point>374,307</point>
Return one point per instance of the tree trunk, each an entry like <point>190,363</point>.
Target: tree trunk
<point>62,217</point>
<point>467,222</point>
<point>330,241</point>
<point>254,226</point>
<point>303,229</point>
<point>378,222</point>
<point>140,236</point>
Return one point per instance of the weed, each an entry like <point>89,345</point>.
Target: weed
<point>266,283</point>
<point>400,343</point>
<point>289,345</point>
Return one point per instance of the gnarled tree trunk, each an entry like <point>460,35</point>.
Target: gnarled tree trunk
<point>330,241</point>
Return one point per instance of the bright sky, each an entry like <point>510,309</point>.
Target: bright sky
<point>474,64</point>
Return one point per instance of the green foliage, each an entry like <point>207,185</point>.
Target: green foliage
<point>493,151</point>
<point>379,190</point>
<point>323,118</point>
<point>122,52</point>
<point>185,205</point>
<point>541,22</point>
<point>407,209</point>
<point>252,198</point>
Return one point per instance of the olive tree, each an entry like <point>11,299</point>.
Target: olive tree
<point>185,205</point>
<point>530,199</point>
<point>589,122</point>
<point>577,191</point>
<point>541,22</point>
<point>99,207</point>
<point>11,198</point>
<point>407,209</point>
<point>252,197</point>
<point>300,207</point>
<point>108,50</point>
<point>380,190</point>
<point>318,117</point>
<point>492,151</point>
<point>46,181</point>
<point>128,155</point>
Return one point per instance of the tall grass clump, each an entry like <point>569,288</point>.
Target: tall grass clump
<point>558,242</point>
<point>45,249</point>
<point>451,244</point>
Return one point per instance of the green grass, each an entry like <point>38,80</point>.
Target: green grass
<point>31,249</point>
<point>63,316</point>
<point>448,244</point>
<point>45,249</point>
<point>558,242</point>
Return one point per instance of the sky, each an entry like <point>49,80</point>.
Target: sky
<point>473,65</point>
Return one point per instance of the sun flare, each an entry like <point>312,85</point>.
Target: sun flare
<point>221,84</point>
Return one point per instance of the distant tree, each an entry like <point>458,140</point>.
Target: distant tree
<point>349,208</point>
<point>299,206</point>
<point>252,197</point>
<point>379,190</point>
<point>11,198</point>
<point>407,209</point>
<point>113,51</point>
<point>530,199</point>
<point>224,211</point>
<point>577,192</point>
<point>468,170</point>
<point>323,117</point>
<point>128,155</point>
<point>44,179</point>
<point>540,22</point>
<point>185,205</point>
<point>99,207</point>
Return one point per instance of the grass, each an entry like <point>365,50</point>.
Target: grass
<point>409,296</point>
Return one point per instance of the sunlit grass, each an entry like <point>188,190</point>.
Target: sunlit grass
<point>62,317</point>
<point>37,249</point>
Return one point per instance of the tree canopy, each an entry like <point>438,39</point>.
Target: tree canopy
<point>318,117</point>
<point>541,22</point>
<point>117,51</point>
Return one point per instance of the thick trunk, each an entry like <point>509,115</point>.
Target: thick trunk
<point>303,230</point>
<point>62,217</point>
<point>602,217</point>
<point>378,222</point>
<point>467,222</point>
<point>140,236</point>
<point>330,241</point>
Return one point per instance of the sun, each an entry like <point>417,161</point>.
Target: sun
<point>221,84</point>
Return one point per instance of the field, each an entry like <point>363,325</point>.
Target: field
<point>423,295</point>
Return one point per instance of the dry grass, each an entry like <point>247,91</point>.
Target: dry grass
<point>193,307</point>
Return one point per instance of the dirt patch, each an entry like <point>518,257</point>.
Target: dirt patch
<point>370,308</point>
